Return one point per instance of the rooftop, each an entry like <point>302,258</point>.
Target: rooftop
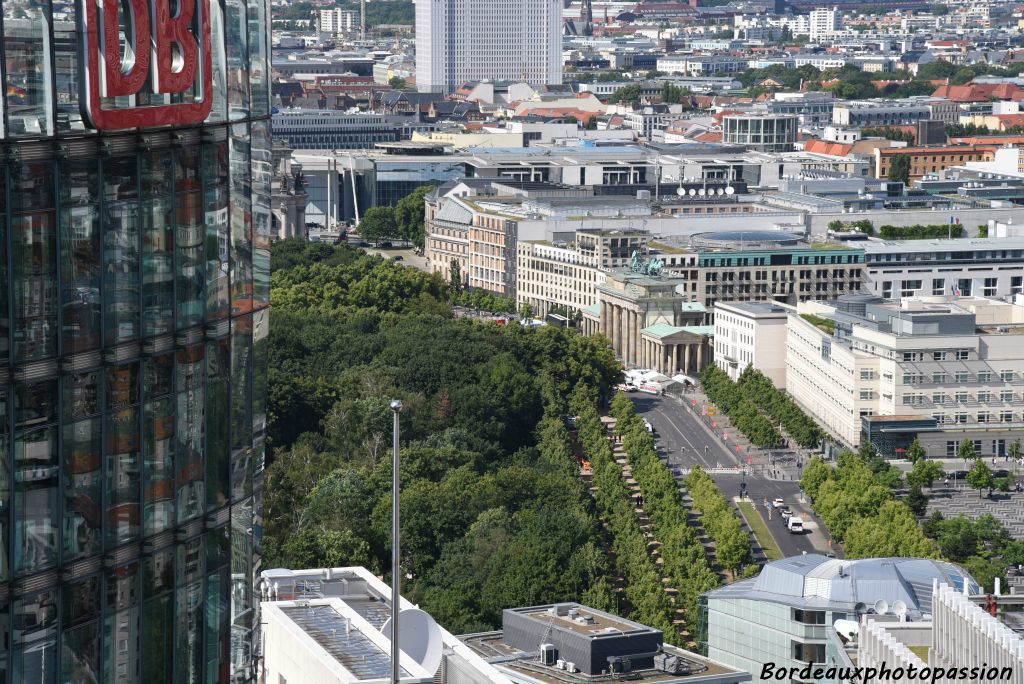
<point>814,581</point>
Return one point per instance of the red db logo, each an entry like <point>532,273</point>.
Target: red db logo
<point>163,53</point>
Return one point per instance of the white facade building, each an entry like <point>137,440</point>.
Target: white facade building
<point>958,361</point>
<point>978,267</point>
<point>752,334</point>
<point>824,23</point>
<point>960,634</point>
<point>460,41</point>
<point>336,21</point>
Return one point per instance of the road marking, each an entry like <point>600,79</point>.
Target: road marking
<point>657,409</point>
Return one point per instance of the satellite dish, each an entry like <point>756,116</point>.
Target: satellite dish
<point>730,190</point>
<point>881,606</point>
<point>860,609</point>
<point>692,192</point>
<point>680,191</point>
<point>419,637</point>
<point>899,608</point>
<point>848,629</point>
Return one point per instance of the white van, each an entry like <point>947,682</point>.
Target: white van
<point>795,524</point>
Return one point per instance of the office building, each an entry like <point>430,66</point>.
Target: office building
<point>752,334</point>
<point>979,267</point>
<point>326,626</point>
<point>327,129</point>
<point>761,132</point>
<point>880,113</point>
<point>785,615</point>
<point>953,366</point>
<point>133,352</point>
<point>463,41</point>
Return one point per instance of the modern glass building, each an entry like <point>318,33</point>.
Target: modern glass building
<point>134,284</point>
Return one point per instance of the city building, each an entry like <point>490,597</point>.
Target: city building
<point>487,40</point>
<point>931,160</point>
<point>752,334</point>
<point>959,634</point>
<point>785,615</point>
<point>881,113</point>
<point>327,129</point>
<point>337,21</point>
<point>574,644</point>
<point>325,626</point>
<point>134,347</point>
<point>762,132</point>
<point>952,365</point>
<point>565,274</point>
<point>824,23</point>
<point>982,267</point>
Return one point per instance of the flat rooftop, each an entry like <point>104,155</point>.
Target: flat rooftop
<point>526,666</point>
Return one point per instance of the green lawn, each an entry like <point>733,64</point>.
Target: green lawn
<point>760,530</point>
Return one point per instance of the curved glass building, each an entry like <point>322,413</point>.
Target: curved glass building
<point>134,285</point>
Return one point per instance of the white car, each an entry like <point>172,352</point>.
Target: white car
<point>795,524</point>
<point>778,503</point>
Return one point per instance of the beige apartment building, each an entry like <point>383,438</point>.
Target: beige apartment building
<point>565,274</point>
<point>953,367</point>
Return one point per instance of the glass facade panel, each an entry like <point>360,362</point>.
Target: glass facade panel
<point>134,281</point>
<point>29,84</point>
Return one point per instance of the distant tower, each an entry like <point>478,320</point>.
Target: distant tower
<point>362,20</point>
<point>587,18</point>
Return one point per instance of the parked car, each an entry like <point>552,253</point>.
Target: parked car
<point>795,525</point>
<point>785,512</point>
<point>397,257</point>
<point>778,503</point>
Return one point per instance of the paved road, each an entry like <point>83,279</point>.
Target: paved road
<point>688,441</point>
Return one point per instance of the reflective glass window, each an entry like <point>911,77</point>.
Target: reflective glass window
<point>81,278</point>
<point>65,49</point>
<point>259,37</point>
<point>158,432</point>
<point>28,91</point>
<point>261,216</point>
<point>158,616</point>
<point>34,275</point>
<point>83,489</point>
<point>215,201</point>
<point>241,407</point>
<point>218,383</point>
<point>241,575</point>
<point>5,494</point>
<point>236,34</point>
<point>121,280</point>
<point>34,638</point>
<point>240,206</point>
<point>190,412</point>
<point>80,640</point>
<point>121,653</point>
<point>121,466</point>
<point>191,272</point>
<point>36,507</point>
<point>157,245</point>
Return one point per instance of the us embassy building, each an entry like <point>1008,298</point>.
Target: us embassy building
<point>134,284</point>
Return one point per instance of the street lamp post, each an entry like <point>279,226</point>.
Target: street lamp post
<point>396,599</point>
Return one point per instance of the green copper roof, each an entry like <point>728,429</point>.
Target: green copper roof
<point>594,309</point>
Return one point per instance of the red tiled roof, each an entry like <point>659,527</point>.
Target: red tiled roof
<point>833,149</point>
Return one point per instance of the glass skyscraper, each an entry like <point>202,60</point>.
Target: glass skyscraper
<point>134,285</point>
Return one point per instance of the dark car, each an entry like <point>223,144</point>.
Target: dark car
<point>385,244</point>
<point>397,257</point>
